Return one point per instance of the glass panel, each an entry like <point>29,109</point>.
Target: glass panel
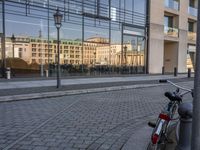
<point>90,6</point>
<point>190,26</point>
<point>96,51</point>
<point>33,52</point>
<point>171,31</point>
<point>140,6</point>
<point>27,54</point>
<point>133,53</point>
<point>192,11</point>
<point>191,57</point>
<point>1,27</point>
<point>70,48</point>
<point>173,4</point>
<point>168,21</point>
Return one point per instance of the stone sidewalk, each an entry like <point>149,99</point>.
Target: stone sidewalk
<point>25,90</point>
<point>6,84</point>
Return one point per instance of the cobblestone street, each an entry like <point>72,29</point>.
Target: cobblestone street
<point>89,121</point>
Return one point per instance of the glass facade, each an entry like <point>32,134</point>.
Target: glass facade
<point>96,37</point>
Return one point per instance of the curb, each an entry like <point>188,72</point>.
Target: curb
<point>71,92</point>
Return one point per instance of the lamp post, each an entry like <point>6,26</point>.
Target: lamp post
<point>13,39</point>
<point>125,51</point>
<point>196,102</point>
<point>58,19</point>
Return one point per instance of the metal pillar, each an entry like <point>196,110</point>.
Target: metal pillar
<point>185,112</point>
<point>196,101</point>
<point>3,67</point>
<point>58,63</point>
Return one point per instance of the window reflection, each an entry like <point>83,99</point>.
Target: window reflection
<point>90,40</point>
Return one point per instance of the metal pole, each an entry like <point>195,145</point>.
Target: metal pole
<point>82,40</point>
<point>196,101</point>
<point>13,48</point>
<point>58,63</point>
<point>122,46</point>
<point>48,30</point>
<point>109,35</point>
<point>3,41</point>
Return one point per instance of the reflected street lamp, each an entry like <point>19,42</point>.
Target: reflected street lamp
<point>58,19</point>
<point>13,39</point>
<point>125,52</point>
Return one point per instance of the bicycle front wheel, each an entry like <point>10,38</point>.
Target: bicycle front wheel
<point>155,146</point>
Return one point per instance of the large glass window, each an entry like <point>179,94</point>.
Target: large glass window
<point>90,37</point>
<point>133,54</point>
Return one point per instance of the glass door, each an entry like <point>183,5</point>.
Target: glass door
<point>133,54</point>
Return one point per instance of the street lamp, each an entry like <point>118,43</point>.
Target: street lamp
<point>58,19</point>
<point>125,51</point>
<point>13,39</point>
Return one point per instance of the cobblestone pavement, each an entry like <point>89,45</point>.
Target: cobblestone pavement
<point>91,121</point>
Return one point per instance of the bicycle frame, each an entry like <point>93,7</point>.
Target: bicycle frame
<point>159,134</point>
<point>163,121</point>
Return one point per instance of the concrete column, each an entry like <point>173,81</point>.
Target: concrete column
<point>183,36</point>
<point>156,39</point>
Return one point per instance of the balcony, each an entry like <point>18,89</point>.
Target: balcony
<point>172,4</point>
<point>172,32</point>
<point>192,11</point>
<point>192,36</point>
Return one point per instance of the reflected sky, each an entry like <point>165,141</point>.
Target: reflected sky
<point>23,22</point>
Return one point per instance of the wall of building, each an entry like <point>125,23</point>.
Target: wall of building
<point>156,39</point>
<point>157,43</point>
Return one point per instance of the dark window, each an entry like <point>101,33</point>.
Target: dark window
<point>168,21</point>
<point>192,3</point>
<point>191,26</point>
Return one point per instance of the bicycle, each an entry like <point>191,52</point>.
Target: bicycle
<point>163,125</point>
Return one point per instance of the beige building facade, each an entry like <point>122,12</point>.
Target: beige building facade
<point>172,36</point>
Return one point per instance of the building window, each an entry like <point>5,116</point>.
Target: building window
<point>192,3</point>
<point>168,21</point>
<point>191,26</point>
<point>33,54</point>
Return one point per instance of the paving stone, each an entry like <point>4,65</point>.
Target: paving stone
<point>93,121</point>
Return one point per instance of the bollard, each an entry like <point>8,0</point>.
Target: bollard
<point>47,73</point>
<point>185,132</point>
<point>189,72</point>
<point>163,70</point>
<point>175,71</point>
<point>8,73</point>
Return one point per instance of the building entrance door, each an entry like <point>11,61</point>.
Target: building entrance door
<point>133,48</point>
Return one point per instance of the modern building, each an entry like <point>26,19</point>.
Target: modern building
<point>172,37</point>
<point>147,34</point>
<point>86,26</point>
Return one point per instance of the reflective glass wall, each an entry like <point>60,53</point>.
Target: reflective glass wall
<point>97,37</point>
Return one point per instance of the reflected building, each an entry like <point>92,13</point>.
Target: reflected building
<point>111,33</point>
<point>93,32</point>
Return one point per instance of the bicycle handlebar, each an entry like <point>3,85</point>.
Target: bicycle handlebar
<point>179,87</point>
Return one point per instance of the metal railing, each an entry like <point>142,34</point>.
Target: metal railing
<point>172,4</point>
<point>171,31</point>
<point>192,36</point>
<point>192,11</point>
